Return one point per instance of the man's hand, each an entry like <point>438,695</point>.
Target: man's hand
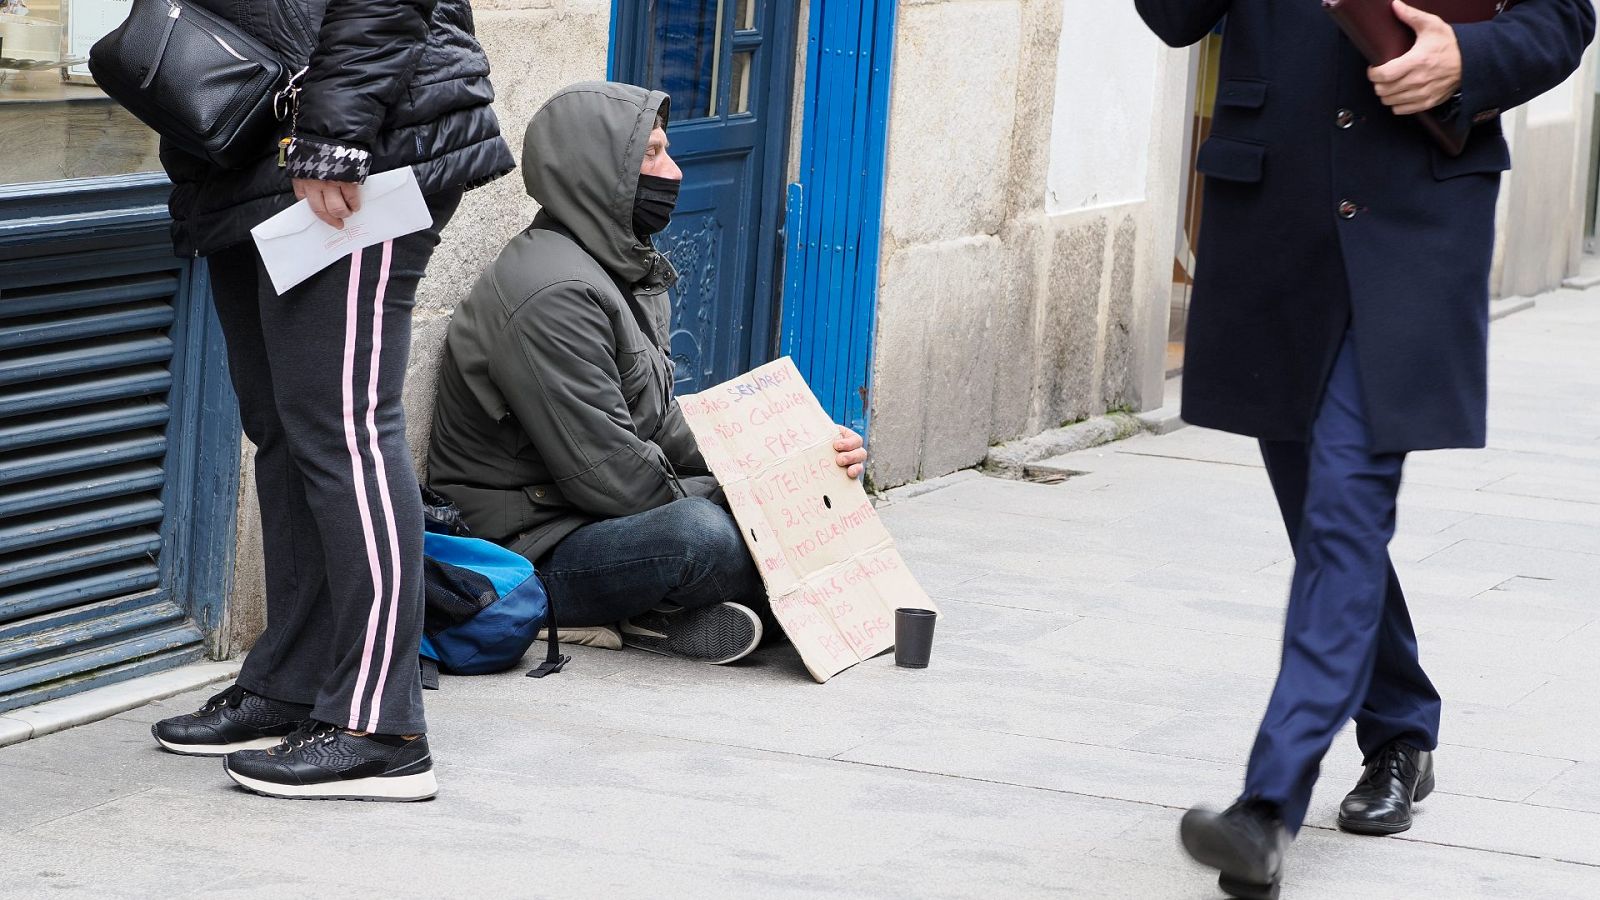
<point>852,458</point>
<point>332,201</point>
<point>1428,74</point>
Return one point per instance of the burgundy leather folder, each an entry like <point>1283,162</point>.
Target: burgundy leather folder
<point>1380,36</point>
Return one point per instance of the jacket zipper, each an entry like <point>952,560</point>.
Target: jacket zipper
<point>300,25</point>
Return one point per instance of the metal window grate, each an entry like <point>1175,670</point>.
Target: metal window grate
<point>89,356</point>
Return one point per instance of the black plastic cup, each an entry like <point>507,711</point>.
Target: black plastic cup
<point>913,637</point>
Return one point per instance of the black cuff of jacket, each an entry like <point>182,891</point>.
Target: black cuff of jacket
<point>321,160</point>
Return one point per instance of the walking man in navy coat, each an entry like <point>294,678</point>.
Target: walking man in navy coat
<point>1340,315</point>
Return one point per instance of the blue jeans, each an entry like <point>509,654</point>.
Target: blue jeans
<point>1348,646</point>
<point>688,553</point>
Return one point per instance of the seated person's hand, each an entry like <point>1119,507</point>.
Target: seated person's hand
<point>852,458</point>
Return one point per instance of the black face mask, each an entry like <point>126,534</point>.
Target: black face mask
<point>653,204</point>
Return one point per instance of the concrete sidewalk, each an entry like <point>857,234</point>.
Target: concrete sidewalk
<point>1109,644</point>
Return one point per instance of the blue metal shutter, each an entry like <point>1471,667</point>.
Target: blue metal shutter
<point>834,211</point>
<point>93,441</point>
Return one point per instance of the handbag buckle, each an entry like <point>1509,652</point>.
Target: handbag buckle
<point>287,101</point>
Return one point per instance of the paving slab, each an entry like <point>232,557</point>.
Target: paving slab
<point>1577,787</point>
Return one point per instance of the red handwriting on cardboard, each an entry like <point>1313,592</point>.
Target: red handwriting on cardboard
<point>829,565</point>
<point>859,517</point>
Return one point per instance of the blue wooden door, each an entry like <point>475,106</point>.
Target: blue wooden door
<point>834,214</point>
<point>728,66</point>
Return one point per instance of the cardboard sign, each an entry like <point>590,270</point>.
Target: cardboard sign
<point>830,567</point>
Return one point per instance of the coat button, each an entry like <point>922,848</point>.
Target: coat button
<point>539,493</point>
<point>1348,210</point>
<point>1345,118</point>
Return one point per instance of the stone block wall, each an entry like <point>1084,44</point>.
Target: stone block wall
<point>997,316</point>
<point>1543,198</point>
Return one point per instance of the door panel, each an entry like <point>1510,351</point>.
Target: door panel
<point>704,247</point>
<point>728,65</point>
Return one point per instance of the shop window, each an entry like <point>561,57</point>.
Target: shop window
<point>54,122</point>
<point>1208,60</point>
<point>740,99</point>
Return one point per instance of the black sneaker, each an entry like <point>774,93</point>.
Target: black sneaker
<point>716,634</point>
<point>232,720</point>
<point>325,762</point>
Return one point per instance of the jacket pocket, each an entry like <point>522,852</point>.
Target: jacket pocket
<point>633,374</point>
<point>1242,93</point>
<point>1232,159</point>
<point>641,377</point>
<point>546,498</point>
<point>1486,154</point>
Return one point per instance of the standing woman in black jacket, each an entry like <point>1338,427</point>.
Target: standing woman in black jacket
<point>329,703</point>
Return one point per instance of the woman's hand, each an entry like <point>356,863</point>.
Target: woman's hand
<point>852,458</point>
<point>332,201</point>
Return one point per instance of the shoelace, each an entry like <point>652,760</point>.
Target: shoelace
<point>1394,761</point>
<point>1398,762</point>
<point>231,697</point>
<point>310,732</point>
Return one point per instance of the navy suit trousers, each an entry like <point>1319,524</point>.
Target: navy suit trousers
<point>1349,650</point>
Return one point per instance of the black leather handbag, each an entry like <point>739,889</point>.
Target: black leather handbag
<point>198,80</point>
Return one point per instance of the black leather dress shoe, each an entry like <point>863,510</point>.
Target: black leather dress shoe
<point>1246,843</point>
<point>1397,778</point>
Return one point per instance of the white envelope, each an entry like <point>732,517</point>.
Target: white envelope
<point>295,244</point>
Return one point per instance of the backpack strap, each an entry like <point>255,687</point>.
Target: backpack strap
<point>554,659</point>
<point>430,673</point>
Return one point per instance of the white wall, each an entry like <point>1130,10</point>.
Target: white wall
<point>1556,105</point>
<point>1105,88</point>
<point>1543,197</point>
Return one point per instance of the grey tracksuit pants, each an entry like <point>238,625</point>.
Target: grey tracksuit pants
<point>319,373</point>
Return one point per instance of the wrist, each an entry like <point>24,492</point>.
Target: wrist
<point>316,159</point>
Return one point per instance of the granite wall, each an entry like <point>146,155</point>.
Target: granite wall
<point>1006,308</point>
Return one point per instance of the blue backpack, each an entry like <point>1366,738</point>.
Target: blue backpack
<point>485,604</point>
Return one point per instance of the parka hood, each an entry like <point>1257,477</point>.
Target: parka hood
<point>580,161</point>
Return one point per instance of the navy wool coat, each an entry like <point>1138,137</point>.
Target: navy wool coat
<point>1324,212</point>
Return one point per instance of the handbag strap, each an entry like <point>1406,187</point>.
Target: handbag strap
<point>174,10</point>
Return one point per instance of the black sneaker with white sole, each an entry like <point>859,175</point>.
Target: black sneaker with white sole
<point>232,720</point>
<point>716,634</point>
<point>326,762</point>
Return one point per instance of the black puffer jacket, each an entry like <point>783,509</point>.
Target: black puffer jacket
<point>391,83</point>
